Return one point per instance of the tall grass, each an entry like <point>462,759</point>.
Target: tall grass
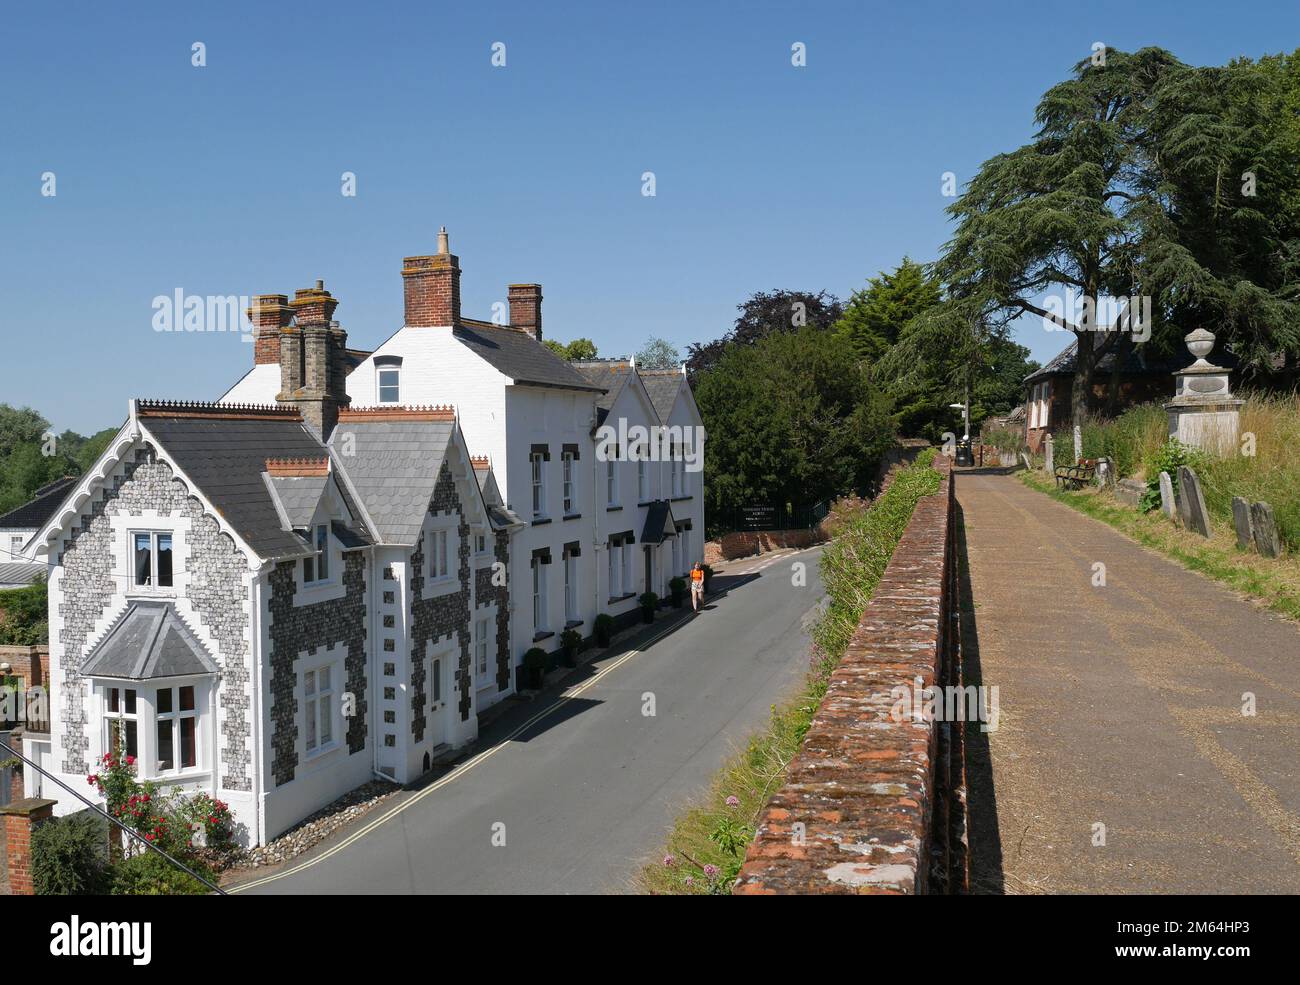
<point>1268,471</point>
<point>707,845</point>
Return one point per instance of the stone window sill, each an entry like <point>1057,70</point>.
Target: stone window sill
<point>538,637</point>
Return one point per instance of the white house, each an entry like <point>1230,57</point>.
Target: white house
<point>535,419</point>
<point>19,565</point>
<point>276,603</point>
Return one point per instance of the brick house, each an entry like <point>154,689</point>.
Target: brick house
<point>1144,377</point>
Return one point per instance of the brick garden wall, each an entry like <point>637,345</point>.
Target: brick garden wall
<point>879,800</point>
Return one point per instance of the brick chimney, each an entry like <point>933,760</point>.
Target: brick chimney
<point>313,367</point>
<point>432,287</point>
<point>269,314</point>
<point>526,308</point>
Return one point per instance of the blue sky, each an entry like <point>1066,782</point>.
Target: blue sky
<point>226,179</point>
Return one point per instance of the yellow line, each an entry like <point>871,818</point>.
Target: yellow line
<point>567,695</point>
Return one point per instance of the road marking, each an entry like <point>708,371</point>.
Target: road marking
<point>568,694</point>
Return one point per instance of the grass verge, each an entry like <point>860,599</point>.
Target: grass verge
<point>707,845</point>
<point>1275,583</point>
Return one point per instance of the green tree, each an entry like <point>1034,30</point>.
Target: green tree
<point>791,419</point>
<point>575,350</point>
<point>20,426</point>
<point>875,317</point>
<point>658,354</point>
<point>761,314</point>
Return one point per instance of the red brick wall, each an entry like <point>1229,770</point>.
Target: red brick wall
<point>19,820</point>
<point>872,793</point>
<point>746,543</point>
<point>432,290</point>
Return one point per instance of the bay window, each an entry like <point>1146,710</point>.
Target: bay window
<point>176,723</point>
<point>121,721</point>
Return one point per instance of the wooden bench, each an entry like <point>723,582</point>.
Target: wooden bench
<point>1076,476</point>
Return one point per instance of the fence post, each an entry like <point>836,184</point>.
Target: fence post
<point>20,819</point>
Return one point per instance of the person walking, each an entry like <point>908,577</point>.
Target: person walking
<point>697,586</point>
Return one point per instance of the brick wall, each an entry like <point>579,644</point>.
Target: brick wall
<point>744,543</point>
<point>872,804</point>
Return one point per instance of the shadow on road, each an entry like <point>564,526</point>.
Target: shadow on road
<point>982,808</point>
<point>556,714</point>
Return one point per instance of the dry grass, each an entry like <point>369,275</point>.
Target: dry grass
<point>1273,582</point>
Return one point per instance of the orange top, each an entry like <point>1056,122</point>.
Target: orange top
<point>697,574</point>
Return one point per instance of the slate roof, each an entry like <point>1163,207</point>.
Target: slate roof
<point>299,496</point>
<point>149,640</point>
<point>658,523</point>
<point>19,572</point>
<point>225,455</point>
<point>1140,360</point>
<point>519,356</point>
<point>35,512</point>
<point>663,386</point>
<point>393,469</point>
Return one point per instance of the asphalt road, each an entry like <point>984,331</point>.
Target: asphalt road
<point>587,794</point>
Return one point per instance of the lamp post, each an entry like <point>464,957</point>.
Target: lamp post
<point>964,456</point>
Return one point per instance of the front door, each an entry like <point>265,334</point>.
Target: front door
<point>439,672</point>
<point>649,568</point>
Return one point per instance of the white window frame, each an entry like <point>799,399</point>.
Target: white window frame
<point>570,487</point>
<point>16,545</point>
<point>570,588</point>
<point>538,463</point>
<point>676,469</point>
<point>152,584</point>
<point>395,385</point>
<point>642,480</point>
<point>628,583</point>
<point>611,478</point>
<point>480,544</point>
<point>615,568</point>
<point>318,565</point>
<point>439,549</point>
<point>317,717</point>
<point>539,596</point>
<point>176,716</point>
<point>111,718</point>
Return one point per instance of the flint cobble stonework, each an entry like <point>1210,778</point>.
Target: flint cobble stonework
<point>486,593</point>
<point>439,617</point>
<point>306,629</point>
<point>218,588</point>
<point>871,804</point>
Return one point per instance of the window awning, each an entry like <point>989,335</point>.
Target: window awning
<point>658,523</point>
<point>148,641</point>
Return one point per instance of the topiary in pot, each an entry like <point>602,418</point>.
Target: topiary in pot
<point>570,640</point>
<point>649,602</point>
<point>678,587</point>
<point>604,628</point>
<point>535,667</point>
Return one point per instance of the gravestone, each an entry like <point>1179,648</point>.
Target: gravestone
<point>1025,458</point>
<point>1050,462</point>
<point>1241,522</point>
<point>1078,442</point>
<point>1191,502</point>
<point>1267,540</point>
<point>1106,477</point>
<point>1166,495</point>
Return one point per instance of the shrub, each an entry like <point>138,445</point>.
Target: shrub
<point>649,602</point>
<point>678,588</point>
<point>70,855</point>
<point>206,813</point>
<point>1167,458</point>
<point>23,615</point>
<point>603,628</point>
<point>150,874</point>
<point>1003,439</point>
<point>570,640</point>
<point>535,665</point>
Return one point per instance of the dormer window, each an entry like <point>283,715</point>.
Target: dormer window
<point>152,559</point>
<point>388,375</point>
<point>317,567</point>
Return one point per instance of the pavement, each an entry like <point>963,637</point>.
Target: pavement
<point>1126,759</point>
<point>575,791</point>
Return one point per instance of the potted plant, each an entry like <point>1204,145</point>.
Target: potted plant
<point>649,602</point>
<point>570,640</point>
<point>604,628</point>
<point>535,667</point>
<point>678,587</point>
